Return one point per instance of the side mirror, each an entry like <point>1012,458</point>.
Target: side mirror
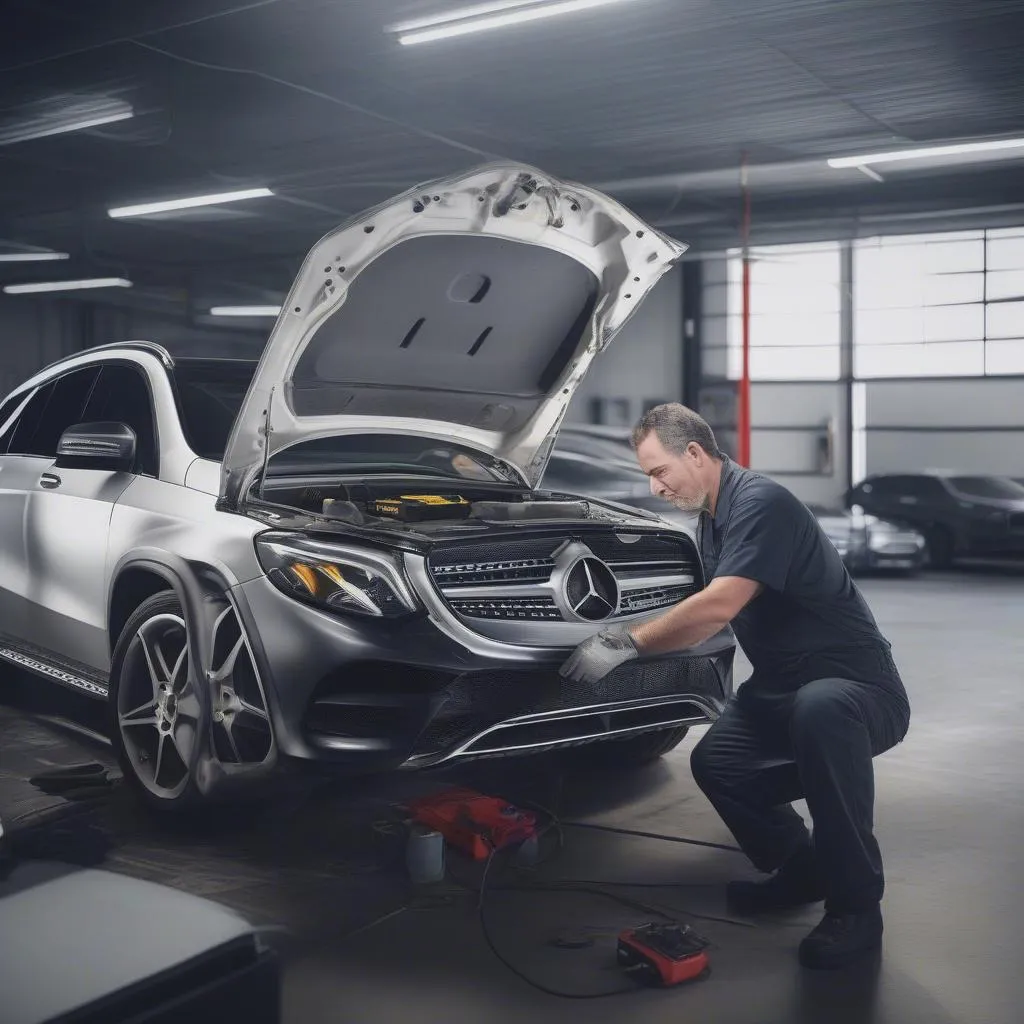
<point>109,446</point>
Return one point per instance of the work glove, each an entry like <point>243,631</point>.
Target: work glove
<point>598,655</point>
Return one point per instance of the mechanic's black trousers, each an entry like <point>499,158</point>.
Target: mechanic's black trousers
<point>816,744</point>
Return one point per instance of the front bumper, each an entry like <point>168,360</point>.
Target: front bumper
<point>367,695</point>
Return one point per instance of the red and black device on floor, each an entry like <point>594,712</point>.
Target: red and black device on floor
<point>476,824</point>
<point>664,954</point>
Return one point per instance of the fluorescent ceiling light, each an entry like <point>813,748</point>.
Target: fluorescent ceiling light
<point>954,149</point>
<point>66,286</point>
<point>460,15</point>
<point>245,311</point>
<point>31,257</point>
<point>189,202</point>
<point>59,117</point>
<point>479,18</point>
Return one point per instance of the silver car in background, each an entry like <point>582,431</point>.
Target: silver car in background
<point>867,543</point>
<point>340,554</point>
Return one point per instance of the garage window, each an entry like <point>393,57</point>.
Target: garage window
<point>795,314</point>
<point>947,305</point>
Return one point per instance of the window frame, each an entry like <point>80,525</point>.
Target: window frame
<point>139,369</point>
<point>51,383</point>
<point>97,365</point>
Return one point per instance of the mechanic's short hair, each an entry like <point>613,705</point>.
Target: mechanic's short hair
<point>676,426</point>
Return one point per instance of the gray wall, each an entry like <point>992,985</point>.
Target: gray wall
<point>798,436</point>
<point>968,425</point>
<point>645,362</point>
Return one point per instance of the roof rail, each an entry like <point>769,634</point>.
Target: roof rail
<point>137,346</point>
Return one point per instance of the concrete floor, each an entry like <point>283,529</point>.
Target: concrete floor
<point>950,819</point>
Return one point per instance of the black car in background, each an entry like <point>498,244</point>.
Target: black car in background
<point>868,544</point>
<point>959,514</point>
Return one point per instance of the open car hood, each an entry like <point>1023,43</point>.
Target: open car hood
<point>467,309</point>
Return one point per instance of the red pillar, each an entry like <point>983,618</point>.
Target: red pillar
<point>743,410</point>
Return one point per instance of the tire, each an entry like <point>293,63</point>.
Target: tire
<point>633,752</point>
<point>941,548</point>
<point>156,724</point>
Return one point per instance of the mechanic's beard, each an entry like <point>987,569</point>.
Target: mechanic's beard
<point>691,506</point>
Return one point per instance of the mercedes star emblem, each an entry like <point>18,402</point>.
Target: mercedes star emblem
<point>590,589</point>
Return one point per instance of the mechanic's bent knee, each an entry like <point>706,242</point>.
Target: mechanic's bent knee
<point>706,763</point>
<point>821,709</point>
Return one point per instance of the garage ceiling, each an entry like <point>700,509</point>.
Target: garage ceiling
<point>653,99</point>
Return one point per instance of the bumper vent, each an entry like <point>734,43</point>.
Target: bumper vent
<point>495,712</point>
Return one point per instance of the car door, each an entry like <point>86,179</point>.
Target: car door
<point>17,476</point>
<point>68,513</point>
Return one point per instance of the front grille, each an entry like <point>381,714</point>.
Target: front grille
<point>522,570</point>
<point>478,701</point>
<point>534,608</point>
<point>512,579</point>
<point>650,598</point>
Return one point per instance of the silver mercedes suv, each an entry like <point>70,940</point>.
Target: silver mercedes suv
<point>340,553</point>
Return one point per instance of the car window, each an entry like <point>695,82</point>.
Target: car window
<point>988,487</point>
<point>210,395</point>
<point>9,420</point>
<point>122,395</point>
<point>54,407</point>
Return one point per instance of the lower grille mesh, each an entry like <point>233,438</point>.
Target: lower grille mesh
<point>480,700</point>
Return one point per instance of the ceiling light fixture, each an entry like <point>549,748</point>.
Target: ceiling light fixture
<point>66,286</point>
<point>57,118</point>
<point>31,257</point>
<point>476,11</point>
<point>245,310</point>
<point>189,202</point>
<point>929,152</point>
<point>483,17</point>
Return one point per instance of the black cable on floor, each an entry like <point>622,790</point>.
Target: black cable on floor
<point>558,824</point>
<point>651,835</point>
<point>533,983</point>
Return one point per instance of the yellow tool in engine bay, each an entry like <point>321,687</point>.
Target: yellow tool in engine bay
<point>418,508</point>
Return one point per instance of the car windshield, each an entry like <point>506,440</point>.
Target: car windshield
<point>386,454</point>
<point>210,393</point>
<point>988,487</point>
<point>581,472</point>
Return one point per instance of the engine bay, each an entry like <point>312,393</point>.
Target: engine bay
<point>417,504</point>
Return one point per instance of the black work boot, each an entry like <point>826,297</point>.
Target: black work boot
<point>841,939</point>
<point>795,884</point>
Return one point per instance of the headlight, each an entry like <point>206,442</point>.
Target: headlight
<point>334,577</point>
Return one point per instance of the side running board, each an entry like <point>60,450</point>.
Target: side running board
<point>48,670</point>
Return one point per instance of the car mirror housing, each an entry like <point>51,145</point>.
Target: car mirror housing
<point>109,446</point>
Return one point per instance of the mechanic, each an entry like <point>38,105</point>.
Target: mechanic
<point>823,699</point>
